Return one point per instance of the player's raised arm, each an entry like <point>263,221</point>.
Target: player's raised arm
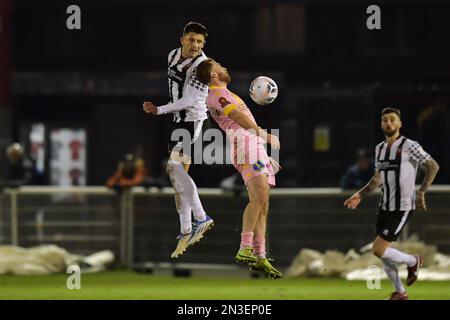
<point>246,123</point>
<point>355,199</point>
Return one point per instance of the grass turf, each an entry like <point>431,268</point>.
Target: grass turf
<point>131,285</point>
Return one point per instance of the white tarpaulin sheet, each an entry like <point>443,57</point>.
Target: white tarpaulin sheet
<point>48,259</point>
<point>357,266</point>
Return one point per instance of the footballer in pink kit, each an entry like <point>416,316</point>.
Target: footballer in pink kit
<point>248,153</point>
<point>249,157</point>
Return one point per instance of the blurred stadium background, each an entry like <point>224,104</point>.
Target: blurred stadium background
<point>73,100</point>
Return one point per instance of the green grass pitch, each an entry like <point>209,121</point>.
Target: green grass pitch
<point>131,285</point>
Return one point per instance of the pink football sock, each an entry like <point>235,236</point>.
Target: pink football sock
<point>259,247</point>
<point>246,239</point>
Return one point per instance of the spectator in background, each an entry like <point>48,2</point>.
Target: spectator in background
<point>19,169</point>
<point>360,173</point>
<point>130,172</point>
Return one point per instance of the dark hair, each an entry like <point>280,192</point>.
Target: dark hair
<point>203,73</point>
<point>195,27</point>
<point>391,110</point>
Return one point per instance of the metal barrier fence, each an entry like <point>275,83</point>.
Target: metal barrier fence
<point>80,219</point>
<point>140,226</point>
<point>5,218</point>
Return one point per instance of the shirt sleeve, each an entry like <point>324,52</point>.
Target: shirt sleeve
<point>417,153</point>
<point>223,102</point>
<point>377,164</point>
<point>193,91</point>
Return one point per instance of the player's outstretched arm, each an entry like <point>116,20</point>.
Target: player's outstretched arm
<point>431,170</point>
<point>194,91</point>
<point>150,107</point>
<point>246,123</point>
<point>354,201</point>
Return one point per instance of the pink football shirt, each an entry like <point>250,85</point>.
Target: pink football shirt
<point>248,153</point>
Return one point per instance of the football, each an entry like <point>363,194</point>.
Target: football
<point>263,90</point>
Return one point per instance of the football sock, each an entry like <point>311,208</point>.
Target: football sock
<point>259,247</point>
<point>184,212</point>
<point>246,239</point>
<point>184,185</point>
<point>392,272</point>
<point>399,257</point>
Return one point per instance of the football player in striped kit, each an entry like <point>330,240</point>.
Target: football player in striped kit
<point>396,162</point>
<point>188,105</point>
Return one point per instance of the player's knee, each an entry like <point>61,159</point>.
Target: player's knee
<point>264,207</point>
<point>377,251</point>
<point>169,169</point>
<point>256,205</point>
<point>171,166</point>
<point>263,191</point>
<point>262,199</point>
<point>265,197</point>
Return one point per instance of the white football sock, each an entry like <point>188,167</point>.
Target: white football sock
<point>184,185</point>
<point>184,211</point>
<point>392,272</point>
<point>399,257</point>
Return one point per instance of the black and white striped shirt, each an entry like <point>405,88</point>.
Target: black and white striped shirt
<point>398,165</point>
<point>187,94</point>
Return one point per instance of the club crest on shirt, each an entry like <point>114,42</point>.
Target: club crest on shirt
<point>175,75</point>
<point>224,102</point>
<point>387,165</point>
